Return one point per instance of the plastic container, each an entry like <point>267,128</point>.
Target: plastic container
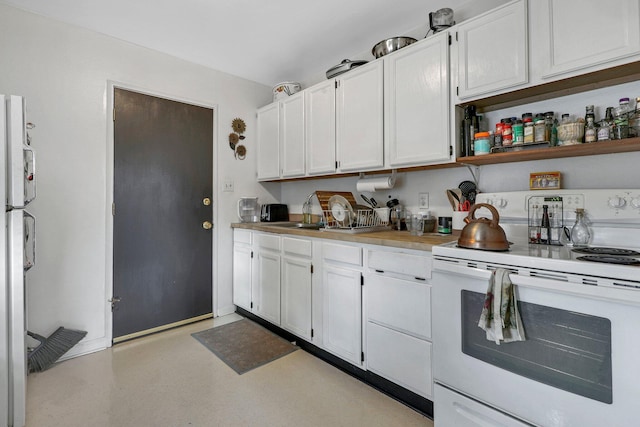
<point>482,143</point>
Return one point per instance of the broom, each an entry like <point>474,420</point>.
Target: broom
<point>51,349</point>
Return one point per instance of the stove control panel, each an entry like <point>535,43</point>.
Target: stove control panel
<point>608,205</point>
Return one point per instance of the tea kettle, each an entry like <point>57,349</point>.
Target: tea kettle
<point>483,233</point>
<point>248,209</point>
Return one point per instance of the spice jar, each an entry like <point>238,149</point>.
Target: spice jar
<point>527,121</point>
<point>507,135</point>
<point>539,129</point>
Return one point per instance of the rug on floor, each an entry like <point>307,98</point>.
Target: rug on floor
<point>244,345</point>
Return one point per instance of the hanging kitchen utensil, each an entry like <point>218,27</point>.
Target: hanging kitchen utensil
<point>367,200</point>
<point>469,190</point>
<point>452,200</point>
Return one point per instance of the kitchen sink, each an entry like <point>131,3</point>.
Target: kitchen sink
<point>297,225</point>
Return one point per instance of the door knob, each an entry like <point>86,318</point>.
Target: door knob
<point>207,225</point>
<point>206,201</point>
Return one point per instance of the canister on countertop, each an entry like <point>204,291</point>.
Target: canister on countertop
<point>444,224</point>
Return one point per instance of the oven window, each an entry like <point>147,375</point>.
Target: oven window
<point>564,349</point>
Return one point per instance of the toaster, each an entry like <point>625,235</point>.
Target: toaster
<point>274,212</point>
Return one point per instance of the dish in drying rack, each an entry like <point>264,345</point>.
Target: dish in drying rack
<point>341,210</point>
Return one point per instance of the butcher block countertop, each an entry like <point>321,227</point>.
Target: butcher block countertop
<point>392,238</point>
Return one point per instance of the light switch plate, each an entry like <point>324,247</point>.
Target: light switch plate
<point>423,200</point>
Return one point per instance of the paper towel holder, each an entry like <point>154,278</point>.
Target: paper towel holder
<point>372,184</point>
<point>394,173</point>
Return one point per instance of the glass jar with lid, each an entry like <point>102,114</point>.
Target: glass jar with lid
<point>482,143</point>
<point>539,128</point>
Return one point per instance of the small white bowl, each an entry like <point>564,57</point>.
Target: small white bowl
<point>285,89</point>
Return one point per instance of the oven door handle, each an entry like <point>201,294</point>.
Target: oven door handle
<point>627,296</point>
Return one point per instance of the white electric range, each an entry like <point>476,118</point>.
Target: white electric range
<point>578,365</point>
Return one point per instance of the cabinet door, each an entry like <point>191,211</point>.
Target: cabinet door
<point>242,276</point>
<point>359,119</point>
<point>292,135</point>
<point>578,34</point>
<point>493,51</point>
<point>342,312</point>
<point>417,103</point>
<point>266,298</point>
<point>296,296</point>
<point>320,128</point>
<point>268,142</point>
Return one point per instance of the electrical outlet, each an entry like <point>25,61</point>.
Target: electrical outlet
<point>228,185</point>
<point>423,200</point>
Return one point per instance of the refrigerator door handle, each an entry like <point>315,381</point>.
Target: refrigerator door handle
<point>29,241</point>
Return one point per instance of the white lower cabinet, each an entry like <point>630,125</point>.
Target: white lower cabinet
<point>373,312</point>
<point>296,288</point>
<point>342,300</point>
<point>266,283</point>
<point>242,268</point>
<point>398,314</point>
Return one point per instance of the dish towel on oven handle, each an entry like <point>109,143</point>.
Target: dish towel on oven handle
<point>500,317</point>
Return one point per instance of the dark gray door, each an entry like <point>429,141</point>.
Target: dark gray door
<point>163,166</point>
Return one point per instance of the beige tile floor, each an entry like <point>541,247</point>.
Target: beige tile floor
<point>170,379</point>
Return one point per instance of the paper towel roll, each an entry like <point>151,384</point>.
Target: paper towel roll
<point>375,184</point>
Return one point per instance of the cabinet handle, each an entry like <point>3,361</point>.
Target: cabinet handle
<point>420,278</point>
<point>379,271</point>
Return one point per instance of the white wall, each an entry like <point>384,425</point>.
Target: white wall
<point>63,71</point>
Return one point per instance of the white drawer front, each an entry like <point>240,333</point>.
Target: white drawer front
<point>400,358</point>
<point>268,241</point>
<point>453,409</point>
<point>401,263</point>
<point>342,253</point>
<point>242,236</point>
<point>399,304</point>
<point>295,246</point>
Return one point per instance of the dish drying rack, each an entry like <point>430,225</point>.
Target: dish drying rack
<point>356,221</point>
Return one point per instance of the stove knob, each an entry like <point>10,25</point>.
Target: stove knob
<point>502,203</point>
<point>635,202</point>
<point>617,202</point>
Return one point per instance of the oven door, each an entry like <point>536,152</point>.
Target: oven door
<point>578,366</point>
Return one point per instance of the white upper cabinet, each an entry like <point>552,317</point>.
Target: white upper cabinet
<point>268,142</point>
<point>577,36</point>
<point>417,103</point>
<point>320,126</point>
<point>359,119</point>
<point>492,52</point>
<point>292,136</point>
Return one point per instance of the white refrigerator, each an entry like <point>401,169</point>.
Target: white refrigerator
<point>17,255</point>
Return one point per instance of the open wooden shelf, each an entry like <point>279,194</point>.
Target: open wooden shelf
<point>591,149</point>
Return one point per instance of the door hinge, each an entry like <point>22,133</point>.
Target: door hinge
<point>251,254</point>
<point>361,280</point>
<point>311,333</point>
<point>336,82</point>
<point>449,39</point>
<point>362,356</point>
<point>336,164</point>
<point>451,150</point>
<point>311,268</point>
<point>251,305</point>
<point>113,209</point>
<point>114,114</point>
<point>456,36</point>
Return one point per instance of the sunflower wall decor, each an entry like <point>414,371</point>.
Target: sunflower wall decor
<point>235,138</point>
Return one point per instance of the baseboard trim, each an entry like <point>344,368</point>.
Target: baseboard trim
<point>162,328</point>
<point>393,390</point>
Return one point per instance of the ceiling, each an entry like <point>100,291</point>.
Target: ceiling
<point>264,41</point>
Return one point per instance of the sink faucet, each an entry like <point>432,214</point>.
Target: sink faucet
<point>306,209</point>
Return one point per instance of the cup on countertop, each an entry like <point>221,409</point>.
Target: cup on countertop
<point>415,223</point>
<point>383,215</point>
<point>458,219</point>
